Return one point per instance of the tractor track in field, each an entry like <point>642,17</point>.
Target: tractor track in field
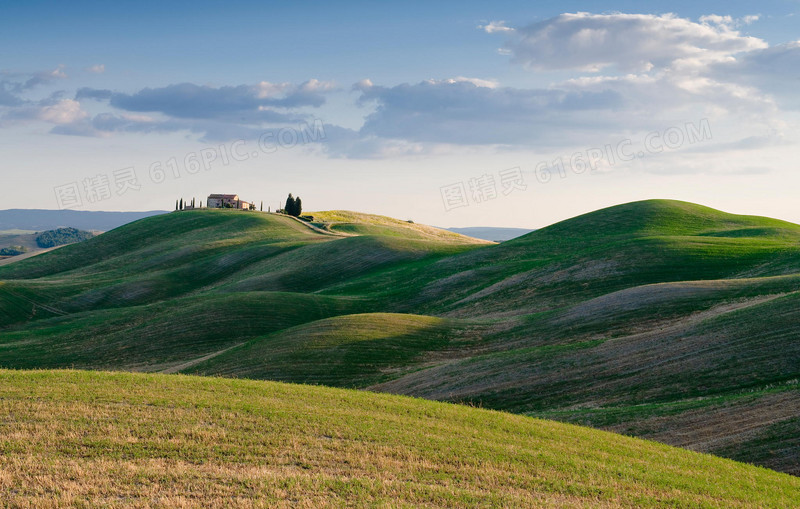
<point>35,304</point>
<point>188,364</point>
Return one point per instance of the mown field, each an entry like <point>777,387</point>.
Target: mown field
<point>658,319</point>
<point>96,439</point>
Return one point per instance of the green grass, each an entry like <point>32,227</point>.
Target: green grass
<point>165,240</point>
<point>345,351</point>
<point>650,318</point>
<point>175,255</point>
<point>157,336</point>
<point>357,223</point>
<point>71,438</point>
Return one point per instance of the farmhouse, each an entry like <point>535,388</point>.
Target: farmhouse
<point>227,201</point>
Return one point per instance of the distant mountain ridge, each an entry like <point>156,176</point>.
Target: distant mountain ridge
<point>491,233</point>
<point>40,219</point>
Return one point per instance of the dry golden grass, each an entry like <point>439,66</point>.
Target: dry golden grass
<point>358,223</point>
<point>88,439</point>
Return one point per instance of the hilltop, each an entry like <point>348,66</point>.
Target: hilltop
<point>659,319</point>
<point>95,438</point>
<point>356,223</point>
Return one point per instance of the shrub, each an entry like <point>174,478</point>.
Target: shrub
<point>13,250</point>
<point>62,236</point>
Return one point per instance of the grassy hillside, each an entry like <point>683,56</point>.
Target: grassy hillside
<point>160,336</point>
<point>612,249</point>
<point>660,319</point>
<point>357,223</point>
<point>90,438</point>
<point>356,350</point>
<point>176,255</point>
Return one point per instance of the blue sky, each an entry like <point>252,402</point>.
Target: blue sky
<point>449,113</point>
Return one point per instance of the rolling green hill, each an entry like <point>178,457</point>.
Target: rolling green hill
<point>114,439</point>
<point>659,319</point>
<point>612,249</point>
<point>357,223</point>
<point>356,350</point>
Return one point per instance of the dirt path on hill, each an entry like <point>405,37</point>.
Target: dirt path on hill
<point>25,256</point>
<point>316,228</point>
<point>185,365</point>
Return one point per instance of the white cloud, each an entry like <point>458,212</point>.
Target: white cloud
<point>266,89</point>
<point>626,74</point>
<point>716,19</point>
<point>59,72</point>
<point>774,71</point>
<point>363,85</point>
<point>465,111</point>
<point>676,78</point>
<point>53,110</point>
<point>659,94</point>
<point>65,111</point>
<point>211,113</point>
<point>478,82</point>
<point>97,69</point>
<point>495,27</point>
<point>729,21</point>
<point>242,103</point>
<point>628,42</point>
<point>749,19</point>
<point>23,82</point>
<point>315,85</point>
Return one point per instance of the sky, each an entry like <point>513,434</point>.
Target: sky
<point>503,113</point>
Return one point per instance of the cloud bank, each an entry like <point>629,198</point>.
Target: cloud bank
<point>612,74</point>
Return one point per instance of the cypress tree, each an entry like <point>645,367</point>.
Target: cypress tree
<point>181,203</point>
<point>289,208</point>
<point>298,207</point>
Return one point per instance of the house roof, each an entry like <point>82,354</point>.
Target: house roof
<point>223,196</point>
